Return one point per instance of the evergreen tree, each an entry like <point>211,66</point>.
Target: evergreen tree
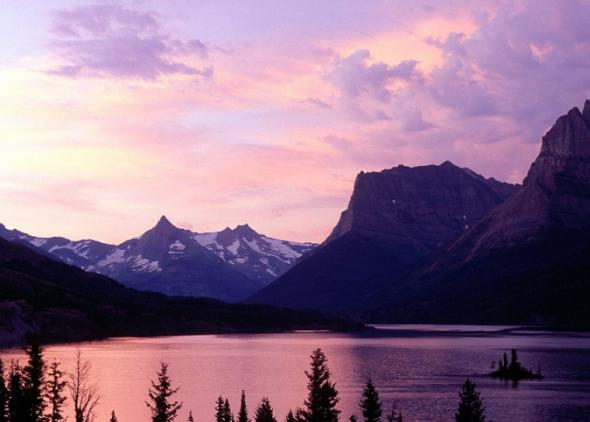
<point>297,416</point>
<point>160,393</point>
<point>17,403</point>
<point>33,378</point>
<point>322,397</point>
<point>290,417</point>
<point>55,396</point>
<point>370,404</point>
<point>190,417</point>
<point>264,412</point>
<point>113,417</point>
<point>243,413</point>
<point>3,395</point>
<point>223,410</point>
<point>470,405</point>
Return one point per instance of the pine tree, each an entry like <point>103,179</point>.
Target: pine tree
<point>113,417</point>
<point>163,410</point>
<point>223,410</point>
<point>297,416</point>
<point>3,395</point>
<point>190,417</point>
<point>17,403</point>
<point>33,377</point>
<point>322,394</point>
<point>370,404</point>
<point>55,396</point>
<point>243,413</point>
<point>264,412</point>
<point>470,405</point>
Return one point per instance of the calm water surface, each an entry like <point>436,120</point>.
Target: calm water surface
<point>420,368</point>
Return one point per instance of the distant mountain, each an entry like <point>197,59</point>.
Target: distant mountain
<point>229,265</point>
<point>259,256</point>
<point>44,295</point>
<point>528,260</point>
<point>395,219</point>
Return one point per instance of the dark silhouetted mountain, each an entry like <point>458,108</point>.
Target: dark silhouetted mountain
<point>528,260</point>
<point>229,265</point>
<point>395,218</point>
<point>44,295</point>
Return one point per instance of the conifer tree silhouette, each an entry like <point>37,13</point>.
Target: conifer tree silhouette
<point>243,413</point>
<point>370,404</point>
<point>470,405</point>
<point>264,412</point>
<point>55,392</point>
<point>160,394</point>
<point>322,397</point>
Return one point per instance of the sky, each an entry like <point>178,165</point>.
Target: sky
<point>218,113</point>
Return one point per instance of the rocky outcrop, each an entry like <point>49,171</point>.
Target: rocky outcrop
<point>395,218</point>
<point>528,260</point>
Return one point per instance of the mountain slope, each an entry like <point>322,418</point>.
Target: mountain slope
<point>395,219</point>
<point>529,260</point>
<point>227,265</point>
<point>260,257</point>
<point>41,294</point>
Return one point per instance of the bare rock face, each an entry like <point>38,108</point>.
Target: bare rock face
<point>395,218</point>
<point>528,260</point>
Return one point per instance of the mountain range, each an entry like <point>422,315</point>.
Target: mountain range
<point>227,265</point>
<point>444,244</point>
<point>64,303</point>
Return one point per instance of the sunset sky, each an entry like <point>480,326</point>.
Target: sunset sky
<point>218,113</point>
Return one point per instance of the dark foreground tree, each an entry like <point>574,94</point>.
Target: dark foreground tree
<point>370,404</point>
<point>113,417</point>
<point>264,412</point>
<point>470,405</point>
<point>394,415</point>
<point>17,403</point>
<point>3,395</point>
<point>160,393</point>
<point>223,410</point>
<point>33,380</point>
<point>55,392</point>
<point>322,396</point>
<point>190,417</point>
<point>243,413</point>
<point>84,394</point>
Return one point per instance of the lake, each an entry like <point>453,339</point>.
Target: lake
<point>420,368</point>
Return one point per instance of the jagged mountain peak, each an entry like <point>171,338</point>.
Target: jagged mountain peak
<point>570,135</point>
<point>164,224</point>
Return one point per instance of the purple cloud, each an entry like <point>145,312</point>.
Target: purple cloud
<point>114,41</point>
<point>354,77</point>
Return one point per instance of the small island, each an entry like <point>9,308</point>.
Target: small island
<point>514,371</point>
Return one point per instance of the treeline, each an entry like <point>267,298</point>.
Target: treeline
<point>37,392</point>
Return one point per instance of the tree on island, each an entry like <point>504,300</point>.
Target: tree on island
<point>243,413</point>
<point>264,412</point>
<point>113,417</point>
<point>514,371</point>
<point>470,405</point>
<point>370,404</point>
<point>322,397</point>
<point>55,396</point>
<point>190,417</point>
<point>160,394</point>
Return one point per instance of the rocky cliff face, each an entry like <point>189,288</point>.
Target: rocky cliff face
<point>394,219</point>
<point>528,260</point>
